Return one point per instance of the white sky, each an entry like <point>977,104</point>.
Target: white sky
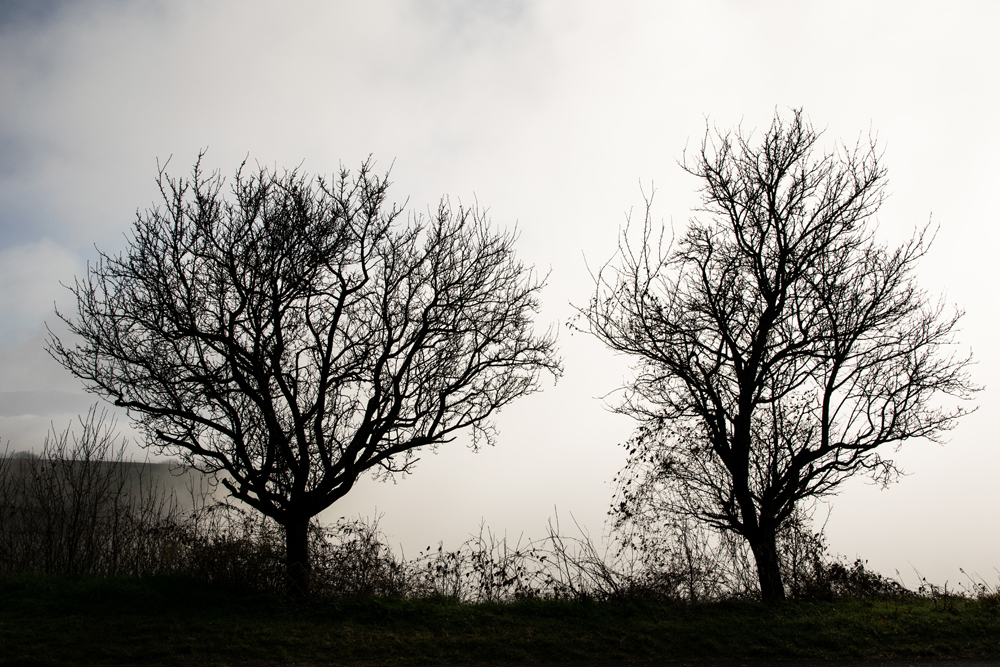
<point>550,114</point>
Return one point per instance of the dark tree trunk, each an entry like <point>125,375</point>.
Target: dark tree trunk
<point>298,570</point>
<point>765,553</point>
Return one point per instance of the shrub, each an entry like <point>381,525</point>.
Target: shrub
<point>81,507</point>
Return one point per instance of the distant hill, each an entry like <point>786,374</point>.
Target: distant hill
<point>187,484</point>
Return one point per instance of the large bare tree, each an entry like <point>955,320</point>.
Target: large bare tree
<point>297,333</point>
<point>779,347</point>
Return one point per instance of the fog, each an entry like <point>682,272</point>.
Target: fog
<point>554,115</point>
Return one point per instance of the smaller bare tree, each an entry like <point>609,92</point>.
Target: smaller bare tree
<point>779,346</point>
<point>297,334</point>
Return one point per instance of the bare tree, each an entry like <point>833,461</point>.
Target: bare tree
<point>297,334</point>
<point>779,346</point>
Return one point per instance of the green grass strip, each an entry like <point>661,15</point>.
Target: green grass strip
<point>49,620</point>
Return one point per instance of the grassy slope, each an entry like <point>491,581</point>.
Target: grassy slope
<point>59,619</point>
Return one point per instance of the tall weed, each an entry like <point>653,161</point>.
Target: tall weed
<point>82,507</point>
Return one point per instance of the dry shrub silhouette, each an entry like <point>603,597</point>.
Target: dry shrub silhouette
<point>82,507</point>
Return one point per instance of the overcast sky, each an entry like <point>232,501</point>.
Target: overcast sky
<point>552,115</point>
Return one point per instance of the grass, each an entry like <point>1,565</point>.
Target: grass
<point>60,619</point>
<point>135,580</point>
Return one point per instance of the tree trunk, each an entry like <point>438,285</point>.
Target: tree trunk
<point>765,553</point>
<point>298,570</point>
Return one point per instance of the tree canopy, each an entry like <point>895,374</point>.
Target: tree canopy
<point>296,333</point>
<point>779,347</point>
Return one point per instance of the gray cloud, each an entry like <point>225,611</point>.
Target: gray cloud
<point>28,14</point>
<point>43,403</point>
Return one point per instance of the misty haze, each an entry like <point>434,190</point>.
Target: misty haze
<point>422,327</point>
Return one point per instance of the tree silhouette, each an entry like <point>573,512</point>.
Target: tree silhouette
<point>779,346</point>
<point>297,334</point>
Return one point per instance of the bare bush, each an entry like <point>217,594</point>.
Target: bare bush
<point>811,573</point>
<point>985,593</point>
<point>81,507</point>
<point>485,568</point>
<point>353,559</point>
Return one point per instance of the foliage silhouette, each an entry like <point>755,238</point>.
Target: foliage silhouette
<point>82,508</point>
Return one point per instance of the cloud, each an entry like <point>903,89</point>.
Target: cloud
<point>43,403</point>
<point>29,284</point>
<point>27,14</point>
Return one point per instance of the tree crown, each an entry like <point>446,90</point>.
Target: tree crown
<point>778,344</point>
<point>297,332</point>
